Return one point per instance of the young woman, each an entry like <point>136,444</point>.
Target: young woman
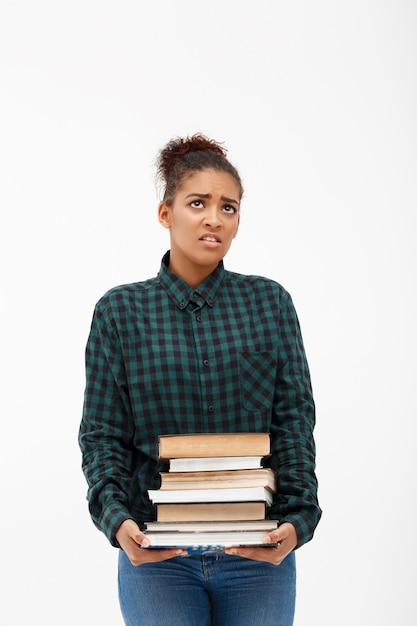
<point>198,349</point>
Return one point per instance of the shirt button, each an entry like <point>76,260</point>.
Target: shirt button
<point>210,301</point>
<point>205,362</point>
<point>211,408</point>
<point>199,318</point>
<point>182,304</point>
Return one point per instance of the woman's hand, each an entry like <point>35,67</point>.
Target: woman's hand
<point>285,536</point>
<point>132,541</point>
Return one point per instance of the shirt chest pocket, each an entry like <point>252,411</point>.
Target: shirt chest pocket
<point>257,379</point>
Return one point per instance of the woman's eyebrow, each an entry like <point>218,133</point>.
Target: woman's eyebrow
<point>208,196</point>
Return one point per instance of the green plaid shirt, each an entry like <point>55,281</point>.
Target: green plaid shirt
<point>163,358</point>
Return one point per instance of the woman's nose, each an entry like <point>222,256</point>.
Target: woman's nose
<point>212,218</point>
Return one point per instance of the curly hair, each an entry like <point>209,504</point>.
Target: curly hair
<point>183,156</point>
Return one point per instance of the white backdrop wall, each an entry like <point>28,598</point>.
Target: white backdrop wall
<point>316,102</point>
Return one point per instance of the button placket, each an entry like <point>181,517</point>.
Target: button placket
<point>202,346</point>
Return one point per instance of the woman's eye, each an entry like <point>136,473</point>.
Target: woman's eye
<point>197,204</point>
<point>228,208</point>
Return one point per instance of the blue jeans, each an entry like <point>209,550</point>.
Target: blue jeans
<point>207,590</point>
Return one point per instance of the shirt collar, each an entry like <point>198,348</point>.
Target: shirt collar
<point>181,293</point>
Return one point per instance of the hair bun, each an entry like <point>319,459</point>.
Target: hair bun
<point>180,146</point>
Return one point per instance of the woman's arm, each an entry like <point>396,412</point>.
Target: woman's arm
<point>292,441</point>
<point>106,428</point>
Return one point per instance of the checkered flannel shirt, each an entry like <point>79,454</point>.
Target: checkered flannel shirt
<point>163,358</point>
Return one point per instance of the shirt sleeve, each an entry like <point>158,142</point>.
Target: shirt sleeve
<point>106,428</point>
<point>292,442</point>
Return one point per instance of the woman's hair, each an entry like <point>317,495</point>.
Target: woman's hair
<point>183,156</point>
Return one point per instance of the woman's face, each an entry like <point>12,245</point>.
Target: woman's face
<point>203,220</point>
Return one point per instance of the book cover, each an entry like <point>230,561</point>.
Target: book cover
<point>212,511</point>
<point>213,444</point>
<point>209,548</point>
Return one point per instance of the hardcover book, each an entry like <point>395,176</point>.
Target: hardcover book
<point>262,477</point>
<point>212,511</point>
<point>206,539</point>
<point>264,525</point>
<point>201,537</point>
<point>211,444</point>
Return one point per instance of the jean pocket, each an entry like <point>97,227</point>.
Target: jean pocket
<point>257,379</point>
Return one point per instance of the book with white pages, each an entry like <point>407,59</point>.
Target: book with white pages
<point>207,541</point>
<point>264,525</point>
<point>207,464</point>
<point>240,494</point>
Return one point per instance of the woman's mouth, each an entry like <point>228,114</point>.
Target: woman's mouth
<point>210,241</point>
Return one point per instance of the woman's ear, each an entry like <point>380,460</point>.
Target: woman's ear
<point>164,215</point>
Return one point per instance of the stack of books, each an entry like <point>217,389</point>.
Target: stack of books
<point>215,493</point>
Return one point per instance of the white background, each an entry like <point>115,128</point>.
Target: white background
<point>316,102</point>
